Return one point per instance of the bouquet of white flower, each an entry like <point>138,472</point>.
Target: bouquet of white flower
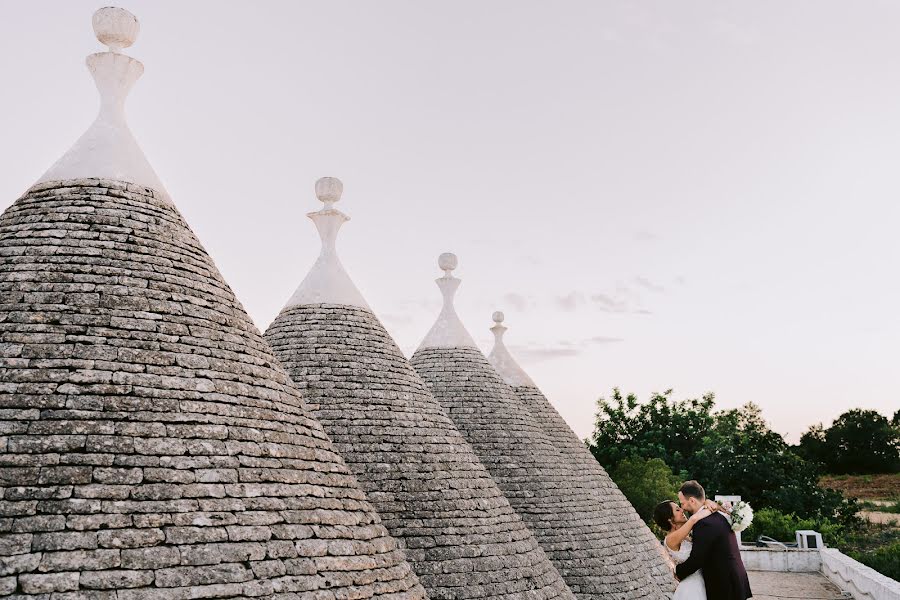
<point>741,516</point>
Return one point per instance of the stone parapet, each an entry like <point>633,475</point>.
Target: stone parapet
<point>854,578</point>
<point>789,560</point>
<point>863,582</point>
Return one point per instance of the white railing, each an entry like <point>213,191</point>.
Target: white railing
<point>852,577</point>
<point>863,582</point>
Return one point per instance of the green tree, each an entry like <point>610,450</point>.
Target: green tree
<point>645,482</point>
<point>729,452</point>
<point>662,428</point>
<point>742,455</point>
<point>862,441</point>
<point>812,445</point>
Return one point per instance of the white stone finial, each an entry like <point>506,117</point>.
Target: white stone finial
<point>448,263</point>
<point>502,361</point>
<point>448,331</point>
<point>327,282</point>
<point>116,28</point>
<point>108,150</point>
<point>329,190</point>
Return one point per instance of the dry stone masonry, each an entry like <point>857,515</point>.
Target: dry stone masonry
<point>151,447</point>
<point>590,548</point>
<point>460,533</point>
<point>588,473</point>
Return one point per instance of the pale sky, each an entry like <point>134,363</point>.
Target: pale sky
<point>691,195</point>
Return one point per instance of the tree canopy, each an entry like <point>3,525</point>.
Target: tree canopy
<point>730,452</point>
<point>858,442</point>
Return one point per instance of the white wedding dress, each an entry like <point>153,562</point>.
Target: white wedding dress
<point>692,588</point>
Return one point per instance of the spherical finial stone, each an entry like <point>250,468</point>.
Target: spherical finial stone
<point>498,317</point>
<point>329,189</point>
<point>447,261</point>
<point>115,27</point>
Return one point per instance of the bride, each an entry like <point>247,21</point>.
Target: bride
<point>671,518</point>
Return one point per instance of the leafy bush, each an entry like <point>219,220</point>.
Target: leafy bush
<point>782,527</point>
<point>645,482</point>
<point>873,544</point>
<point>885,560</point>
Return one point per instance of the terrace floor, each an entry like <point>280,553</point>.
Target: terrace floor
<point>770,585</point>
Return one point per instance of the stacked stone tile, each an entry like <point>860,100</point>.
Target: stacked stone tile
<point>460,533</point>
<point>152,447</point>
<point>587,472</point>
<point>590,547</point>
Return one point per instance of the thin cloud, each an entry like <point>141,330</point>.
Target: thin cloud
<point>645,236</point>
<point>516,301</point>
<point>570,301</point>
<point>607,303</point>
<point>602,339</point>
<point>649,285</point>
<point>534,354</point>
<point>623,300</point>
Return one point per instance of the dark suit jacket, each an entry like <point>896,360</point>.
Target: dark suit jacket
<point>716,552</point>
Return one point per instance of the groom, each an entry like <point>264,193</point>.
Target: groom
<point>715,550</point>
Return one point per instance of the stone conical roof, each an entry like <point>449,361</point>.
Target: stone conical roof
<point>460,533</point>
<point>592,551</point>
<point>152,445</point>
<point>588,473</point>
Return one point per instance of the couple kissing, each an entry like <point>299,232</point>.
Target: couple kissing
<point>703,547</point>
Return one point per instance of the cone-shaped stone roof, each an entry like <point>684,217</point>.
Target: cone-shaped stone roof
<point>593,552</point>
<point>460,533</point>
<point>587,472</point>
<point>152,445</point>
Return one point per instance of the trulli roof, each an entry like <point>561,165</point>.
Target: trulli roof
<point>592,551</point>
<point>461,535</point>
<point>588,473</point>
<point>153,446</point>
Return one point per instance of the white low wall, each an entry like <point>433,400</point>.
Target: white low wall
<point>858,579</point>
<point>781,560</point>
<point>862,582</point>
